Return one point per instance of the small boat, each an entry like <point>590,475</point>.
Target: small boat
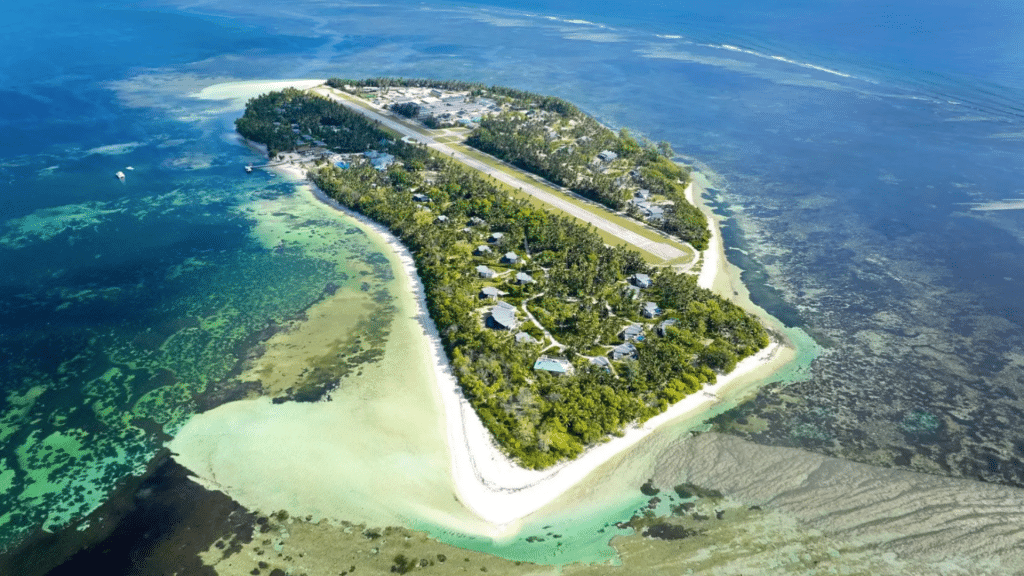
<point>248,169</point>
<point>120,175</point>
<point>129,167</point>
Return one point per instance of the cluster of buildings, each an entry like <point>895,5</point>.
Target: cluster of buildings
<point>648,210</point>
<point>445,108</point>
<point>637,332</point>
<point>504,316</point>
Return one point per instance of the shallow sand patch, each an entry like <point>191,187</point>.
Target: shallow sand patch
<point>290,354</point>
<point>407,414</point>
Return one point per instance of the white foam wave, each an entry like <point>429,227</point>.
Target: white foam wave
<point>594,36</point>
<point>779,58</point>
<point>575,21</point>
<point>114,149</point>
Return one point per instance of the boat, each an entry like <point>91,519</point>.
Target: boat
<point>120,175</point>
<point>248,169</point>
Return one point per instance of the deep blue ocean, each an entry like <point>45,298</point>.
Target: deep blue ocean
<point>867,156</point>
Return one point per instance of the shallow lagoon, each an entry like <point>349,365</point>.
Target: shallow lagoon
<point>851,196</point>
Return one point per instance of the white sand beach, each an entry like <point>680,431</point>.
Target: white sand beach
<point>488,482</point>
<point>494,489</point>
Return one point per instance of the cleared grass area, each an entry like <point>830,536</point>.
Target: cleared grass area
<point>607,237</point>
<point>450,139</point>
<point>593,208</point>
<point>455,142</point>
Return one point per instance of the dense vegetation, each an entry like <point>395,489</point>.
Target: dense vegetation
<point>580,300</point>
<point>281,119</point>
<point>556,140</point>
<point>563,148</point>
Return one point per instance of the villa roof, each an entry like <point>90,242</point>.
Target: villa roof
<point>524,338</point>
<point>650,309</point>
<point>632,331</point>
<point>623,350</point>
<point>503,316</point>
<point>665,324</point>
<point>553,365</point>
<point>524,278</point>
<point>640,280</point>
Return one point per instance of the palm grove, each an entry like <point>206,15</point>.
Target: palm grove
<point>580,298</point>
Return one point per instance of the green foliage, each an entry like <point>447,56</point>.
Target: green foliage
<point>561,147</point>
<point>579,297</point>
<point>279,119</point>
<point>407,109</point>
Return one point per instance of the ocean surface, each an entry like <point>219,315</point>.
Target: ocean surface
<point>866,157</point>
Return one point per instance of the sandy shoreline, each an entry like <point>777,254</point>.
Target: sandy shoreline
<point>486,482</point>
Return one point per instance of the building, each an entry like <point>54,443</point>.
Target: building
<point>495,237</point>
<point>380,160</point>
<point>557,366</point>
<point>420,198</point>
<point>489,293</point>
<point>475,221</point>
<point>524,338</point>
<point>633,333</point>
<point>602,362</point>
<point>607,156</point>
<point>641,280</point>
<point>663,326</point>
<point>502,317</point>
<point>625,351</point>
<point>485,272</point>
<point>650,310</point>
<point>654,213</point>
<point>523,278</point>
<point>642,194</point>
<point>650,211</point>
<point>481,250</point>
<point>510,258</point>
<point>442,219</point>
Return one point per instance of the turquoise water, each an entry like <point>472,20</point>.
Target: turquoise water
<point>129,307</point>
<point>847,144</point>
<point>578,535</point>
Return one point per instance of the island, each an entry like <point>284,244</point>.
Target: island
<point>563,325</point>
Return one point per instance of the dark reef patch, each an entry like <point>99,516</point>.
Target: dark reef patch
<point>156,523</point>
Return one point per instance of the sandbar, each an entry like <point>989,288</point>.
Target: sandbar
<point>498,493</point>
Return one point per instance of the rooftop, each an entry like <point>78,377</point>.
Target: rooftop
<point>553,365</point>
<point>623,350</point>
<point>524,278</point>
<point>524,338</point>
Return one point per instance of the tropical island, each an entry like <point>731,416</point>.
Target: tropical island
<point>557,335</point>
